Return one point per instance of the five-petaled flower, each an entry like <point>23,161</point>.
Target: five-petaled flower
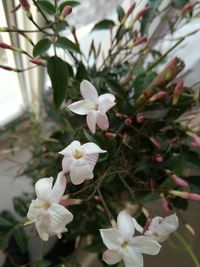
<point>94,106</point>
<point>50,217</point>
<point>158,228</point>
<point>123,246</point>
<point>79,160</point>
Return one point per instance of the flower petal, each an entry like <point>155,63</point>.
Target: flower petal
<point>43,188</point>
<point>58,188</point>
<point>66,163</point>
<point>81,107</point>
<point>91,159</point>
<point>91,121</point>
<point>80,171</point>
<point>88,91</point>
<point>168,225</point>
<point>112,238</point>
<point>91,148</point>
<point>106,102</point>
<point>70,149</point>
<point>131,258</point>
<point>102,121</point>
<point>137,226</point>
<point>42,225</point>
<point>125,225</point>
<point>111,257</point>
<point>145,244</point>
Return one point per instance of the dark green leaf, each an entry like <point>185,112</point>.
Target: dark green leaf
<point>180,203</point>
<point>180,3</point>
<point>65,43</point>
<point>120,13</point>
<point>5,223</point>
<point>58,73</point>
<point>96,246</point>
<point>46,6</point>
<point>19,206</point>
<point>81,73</point>
<point>141,82</point>
<point>155,111</point>
<point>104,25</point>
<point>70,3</point>
<point>62,25</point>
<point>21,239</point>
<point>43,263</point>
<point>41,47</point>
<point>4,241</point>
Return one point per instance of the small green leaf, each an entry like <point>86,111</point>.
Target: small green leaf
<point>46,6</point>
<point>70,3</point>
<point>65,43</point>
<point>20,206</point>
<point>41,47</point>
<point>58,73</point>
<point>120,13</point>
<point>62,25</point>
<point>5,223</point>
<point>81,73</point>
<point>104,25</point>
<point>21,239</point>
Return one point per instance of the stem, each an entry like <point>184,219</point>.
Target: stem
<point>188,249</point>
<point>42,249</point>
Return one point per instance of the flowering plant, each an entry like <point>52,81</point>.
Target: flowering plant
<point>134,146</point>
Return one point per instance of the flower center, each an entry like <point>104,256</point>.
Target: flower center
<point>96,107</point>
<point>124,245</point>
<point>78,154</point>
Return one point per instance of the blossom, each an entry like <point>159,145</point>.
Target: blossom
<point>123,246</point>
<point>94,106</point>
<point>158,228</point>
<point>49,216</point>
<point>79,160</point>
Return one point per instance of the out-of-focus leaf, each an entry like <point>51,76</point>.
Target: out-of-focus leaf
<point>141,82</point>
<point>5,223</point>
<point>97,246</point>
<point>58,73</point>
<point>104,25</point>
<point>21,239</point>
<point>81,73</point>
<point>19,206</point>
<point>46,6</point>
<point>41,47</point>
<point>180,3</point>
<point>62,25</point>
<point>180,203</point>
<point>65,43</point>
<point>155,111</point>
<point>120,13</point>
<point>43,263</point>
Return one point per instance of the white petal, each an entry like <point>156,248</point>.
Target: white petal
<point>112,238</point>
<point>80,171</point>
<point>125,225</point>
<point>168,225</point>
<point>42,225</point>
<point>111,257</point>
<point>43,188</point>
<point>91,148</point>
<point>137,226</point>
<point>91,159</point>
<point>66,163</point>
<point>58,188</point>
<point>102,121</point>
<point>59,217</point>
<point>131,258</point>
<point>145,245</point>
<point>91,121</point>
<point>88,91</point>
<point>70,149</point>
<point>106,102</point>
<point>82,107</point>
<point>34,209</point>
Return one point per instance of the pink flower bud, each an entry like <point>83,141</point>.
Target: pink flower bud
<point>190,229</point>
<point>38,62</point>
<point>158,158</point>
<point>179,181</point>
<point>128,121</point>
<point>25,4</point>
<point>155,142</point>
<point>152,184</point>
<point>9,68</point>
<point>69,202</point>
<point>185,195</point>
<point>177,91</point>
<point>141,13</point>
<point>109,134</point>
<point>66,11</point>
<point>140,118</point>
<point>157,96</point>
<point>130,10</point>
<point>165,204</point>
<point>6,46</point>
<point>140,40</point>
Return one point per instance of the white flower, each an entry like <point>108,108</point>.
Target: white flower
<point>94,106</point>
<point>122,245</point>
<point>80,160</point>
<point>159,228</point>
<point>49,217</point>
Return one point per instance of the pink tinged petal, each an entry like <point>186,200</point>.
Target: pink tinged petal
<point>125,225</point>
<point>111,257</point>
<point>80,171</point>
<point>131,258</point>
<point>88,91</point>
<point>82,107</point>
<point>70,149</point>
<point>43,188</point>
<point>66,163</point>
<point>58,188</point>
<point>102,121</point>
<point>92,148</point>
<point>168,225</point>
<point>112,238</point>
<point>91,121</point>
<point>137,226</point>
<point>32,211</point>
<point>106,102</point>
<point>145,245</point>
<point>91,159</point>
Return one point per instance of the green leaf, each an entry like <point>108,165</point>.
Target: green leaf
<point>46,6</point>
<point>41,47</point>
<point>5,223</point>
<point>20,206</point>
<point>65,43</point>
<point>70,3</point>
<point>120,13</point>
<point>81,73</point>
<point>43,263</point>
<point>62,25</point>
<point>21,239</point>
<point>58,73</point>
<point>104,25</point>
<point>155,111</point>
<point>180,3</point>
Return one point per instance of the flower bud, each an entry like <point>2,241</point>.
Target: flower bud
<point>190,229</point>
<point>38,62</point>
<point>157,96</point>
<point>152,184</point>
<point>130,10</point>
<point>177,92</point>
<point>146,213</point>
<point>65,201</point>
<point>158,158</point>
<point>141,13</point>
<point>109,134</point>
<point>155,142</point>
<point>6,46</point>
<point>9,68</point>
<point>25,4</point>
<point>185,195</point>
<point>179,181</point>
<point>66,11</point>
<point>187,8</point>
<point>140,40</point>
<point>128,121</point>
<point>140,118</point>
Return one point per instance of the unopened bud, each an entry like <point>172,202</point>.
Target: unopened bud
<point>157,96</point>
<point>185,195</point>
<point>152,184</point>
<point>109,134</point>
<point>140,41</point>
<point>158,158</point>
<point>155,142</point>
<point>38,62</point>
<point>9,68</point>
<point>65,201</point>
<point>177,92</point>
<point>140,119</point>
<point>66,11</point>
<point>130,10</point>
<point>128,121</point>
<point>25,4</point>
<point>187,8</point>
<point>190,229</point>
<point>179,181</point>
<point>141,13</point>
<point>6,46</point>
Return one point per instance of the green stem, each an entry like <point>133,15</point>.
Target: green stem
<point>42,249</point>
<point>188,249</point>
